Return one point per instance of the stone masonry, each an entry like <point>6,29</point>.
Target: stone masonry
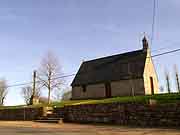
<point>132,114</point>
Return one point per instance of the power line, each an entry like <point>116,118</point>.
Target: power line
<point>153,21</point>
<point>70,75</point>
<point>19,84</point>
<point>29,83</point>
<point>176,43</point>
<point>168,52</point>
<point>65,76</point>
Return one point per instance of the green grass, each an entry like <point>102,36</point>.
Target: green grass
<point>160,99</point>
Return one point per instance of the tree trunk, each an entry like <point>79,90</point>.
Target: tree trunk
<point>49,95</point>
<point>168,85</point>
<point>177,81</point>
<point>49,88</point>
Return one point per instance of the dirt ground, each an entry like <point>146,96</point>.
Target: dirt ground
<point>31,128</point>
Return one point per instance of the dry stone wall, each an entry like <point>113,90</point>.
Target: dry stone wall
<point>132,114</point>
<point>21,114</point>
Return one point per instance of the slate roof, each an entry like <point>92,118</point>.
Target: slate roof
<point>112,68</point>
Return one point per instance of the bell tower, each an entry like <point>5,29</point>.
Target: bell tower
<point>145,43</point>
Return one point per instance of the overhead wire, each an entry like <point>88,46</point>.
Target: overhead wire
<point>152,37</point>
<point>153,21</point>
<point>73,74</point>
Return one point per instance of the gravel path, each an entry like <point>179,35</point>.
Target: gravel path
<point>31,128</point>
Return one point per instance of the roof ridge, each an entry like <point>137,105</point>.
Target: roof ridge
<point>112,56</point>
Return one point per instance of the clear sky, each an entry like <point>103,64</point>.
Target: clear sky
<point>79,30</point>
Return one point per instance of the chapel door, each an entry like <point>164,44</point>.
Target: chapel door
<point>152,85</point>
<point>108,90</point>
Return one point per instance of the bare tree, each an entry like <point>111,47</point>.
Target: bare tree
<point>161,89</point>
<point>167,81</point>
<point>49,73</point>
<point>3,91</point>
<point>63,93</point>
<point>177,78</point>
<point>67,96</point>
<point>57,94</point>
<point>27,93</point>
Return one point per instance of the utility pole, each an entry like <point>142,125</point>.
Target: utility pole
<point>33,88</point>
<point>34,82</point>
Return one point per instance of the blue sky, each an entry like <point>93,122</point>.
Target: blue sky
<point>79,30</point>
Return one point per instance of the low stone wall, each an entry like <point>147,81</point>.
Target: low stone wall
<point>124,114</point>
<point>59,112</point>
<point>20,113</point>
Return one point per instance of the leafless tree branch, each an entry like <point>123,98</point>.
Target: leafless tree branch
<point>48,71</point>
<point>27,92</point>
<point>3,91</point>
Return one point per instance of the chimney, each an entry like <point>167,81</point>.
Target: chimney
<point>145,44</point>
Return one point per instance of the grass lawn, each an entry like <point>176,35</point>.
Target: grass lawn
<point>160,98</point>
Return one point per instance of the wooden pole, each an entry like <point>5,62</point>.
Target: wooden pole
<point>34,83</point>
<point>33,88</point>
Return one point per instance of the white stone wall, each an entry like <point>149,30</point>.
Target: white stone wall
<point>150,72</point>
